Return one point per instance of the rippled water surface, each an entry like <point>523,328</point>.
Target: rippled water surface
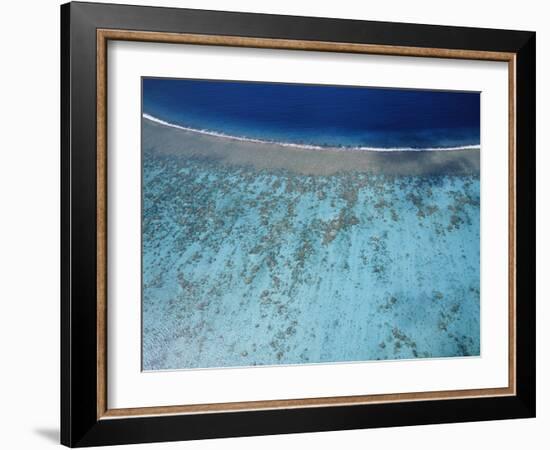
<point>245,266</point>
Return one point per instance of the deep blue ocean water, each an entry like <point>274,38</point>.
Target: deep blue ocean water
<point>319,115</point>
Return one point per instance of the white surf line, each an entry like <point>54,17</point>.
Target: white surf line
<point>306,146</point>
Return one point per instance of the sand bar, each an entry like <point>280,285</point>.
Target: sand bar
<point>166,140</point>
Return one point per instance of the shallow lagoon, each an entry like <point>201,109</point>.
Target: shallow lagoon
<point>247,266</point>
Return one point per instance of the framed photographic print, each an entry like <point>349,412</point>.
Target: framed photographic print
<point>276,224</point>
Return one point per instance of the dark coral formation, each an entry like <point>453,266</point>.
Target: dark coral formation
<point>243,266</point>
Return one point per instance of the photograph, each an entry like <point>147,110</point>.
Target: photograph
<point>288,224</point>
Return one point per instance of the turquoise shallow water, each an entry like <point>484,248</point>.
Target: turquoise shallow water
<point>245,267</point>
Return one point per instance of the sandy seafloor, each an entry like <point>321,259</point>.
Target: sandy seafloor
<point>256,254</point>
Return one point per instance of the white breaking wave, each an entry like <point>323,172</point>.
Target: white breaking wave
<point>305,146</point>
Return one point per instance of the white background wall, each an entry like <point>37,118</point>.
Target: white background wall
<point>29,223</point>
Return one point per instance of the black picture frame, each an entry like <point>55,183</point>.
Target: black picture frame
<point>80,425</point>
